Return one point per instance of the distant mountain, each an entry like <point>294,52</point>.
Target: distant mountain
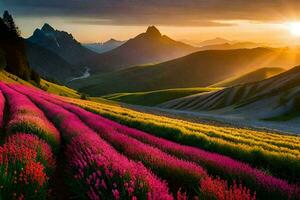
<point>61,43</point>
<point>50,65</point>
<point>215,41</point>
<point>253,76</point>
<point>276,98</point>
<point>228,46</point>
<point>200,69</point>
<point>148,47</point>
<point>105,46</point>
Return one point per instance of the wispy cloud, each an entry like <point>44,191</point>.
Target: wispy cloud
<point>163,12</point>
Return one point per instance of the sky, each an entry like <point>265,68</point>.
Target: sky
<point>264,21</point>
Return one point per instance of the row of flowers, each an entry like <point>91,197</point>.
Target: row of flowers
<point>179,173</point>
<point>96,169</point>
<point>279,156</point>
<point>266,186</point>
<point>26,158</point>
<point>26,117</point>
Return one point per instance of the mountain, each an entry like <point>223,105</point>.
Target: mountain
<point>148,47</point>
<point>105,46</point>
<point>61,43</point>
<point>227,46</point>
<point>215,41</point>
<point>256,75</point>
<point>274,98</point>
<point>200,69</point>
<point>50,65</point>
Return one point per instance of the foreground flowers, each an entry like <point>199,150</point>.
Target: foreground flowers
<point>265,185</point>
<point>26,162</point>
<point>178,173</point>
<point>276,153</point>
<point>25,116</point>
<point>98,170</point>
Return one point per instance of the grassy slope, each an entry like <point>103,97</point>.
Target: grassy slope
<point>51,87</point>
<point>200,69</point>
<point>153,98</point>
<point>60,89</point>
<point>253,76</point>
<point>275,98</point>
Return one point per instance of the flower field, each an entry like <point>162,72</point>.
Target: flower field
<point>110,152</point>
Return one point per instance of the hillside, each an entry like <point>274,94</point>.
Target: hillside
<point>254,76</point>
<point>199,69</point>
<point>49,64</point>
<point>273,98</point>
<point>148,47</point>
<point>153,98</point>
<point>144,151</point>
<point>44,84</point>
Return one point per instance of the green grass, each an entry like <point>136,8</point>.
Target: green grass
<point>59,89</point>
<point>254,76</point>
<point>153,98</point>
<point>200,69</point>
<point>45,85</point>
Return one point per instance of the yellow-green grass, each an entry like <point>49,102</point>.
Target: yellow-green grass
<point>279,154</point>
<point>10,78</point>
<point>59,89</point>
<point>44,84</point>
<point>153,98</point>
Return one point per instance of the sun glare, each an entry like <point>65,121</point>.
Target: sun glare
<point>295,28</point>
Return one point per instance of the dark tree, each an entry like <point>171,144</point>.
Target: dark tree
<point>35,77</point>
<point>10,23</point>
<point>13,50</point>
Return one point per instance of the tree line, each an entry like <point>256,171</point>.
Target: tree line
<point>12,50</point>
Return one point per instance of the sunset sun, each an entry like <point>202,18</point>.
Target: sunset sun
<point>295,28</point>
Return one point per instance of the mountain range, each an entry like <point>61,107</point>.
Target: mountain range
<point>148,47</point>
<point>214,41</point>
<point>105,46</point>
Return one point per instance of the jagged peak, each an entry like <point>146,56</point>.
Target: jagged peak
<point>47,28</point>
<point>153,31</point>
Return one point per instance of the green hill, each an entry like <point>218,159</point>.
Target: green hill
<point>277,97</point>
<point>200,69</point>
<point>256,75</point>
<point>155,97</point>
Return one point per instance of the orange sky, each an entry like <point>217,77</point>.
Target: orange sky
<point>194,21</point>
<point>242,30</point>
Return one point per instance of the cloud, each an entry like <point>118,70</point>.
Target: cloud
<point>162,12</point>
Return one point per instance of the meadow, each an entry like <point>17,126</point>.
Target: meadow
<point>156,97</point>
<point>111,152</point>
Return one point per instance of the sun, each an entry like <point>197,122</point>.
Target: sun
<point>294,28</point>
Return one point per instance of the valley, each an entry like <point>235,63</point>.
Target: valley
<point>102,104</point>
